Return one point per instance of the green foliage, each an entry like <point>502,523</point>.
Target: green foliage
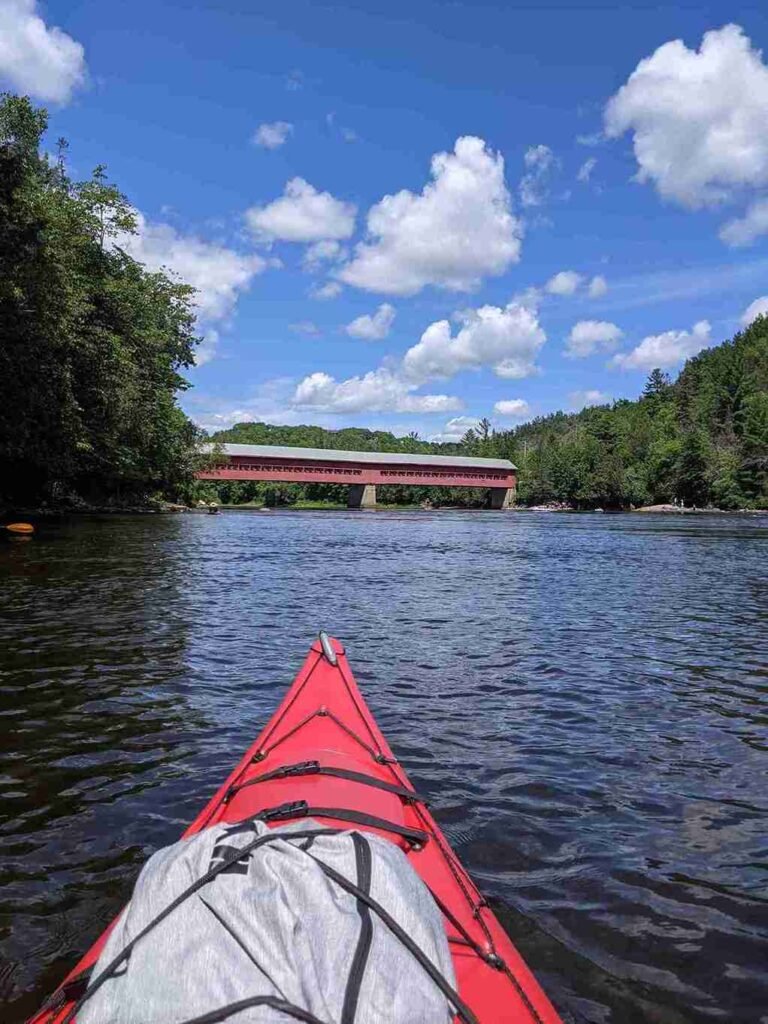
<point>348,439</point>
<point>657,385</point>
<point>92,343</point>
<point>753,423</point>
<point>702,440</point>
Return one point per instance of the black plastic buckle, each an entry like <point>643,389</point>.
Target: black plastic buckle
<point>294,809</point>
<point>305,768</point>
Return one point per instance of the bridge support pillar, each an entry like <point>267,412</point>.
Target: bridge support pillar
<point>362,496</point>
<point>502,497</point>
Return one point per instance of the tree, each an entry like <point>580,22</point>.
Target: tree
<point>692,462</point>
<point>753,472</point>
<point>92,342</point>
<point>411,442</point>
<point>657,385</point>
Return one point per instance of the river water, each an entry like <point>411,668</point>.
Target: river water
<point>584,698</point>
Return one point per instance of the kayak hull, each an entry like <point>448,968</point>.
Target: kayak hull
<point>322,755</point>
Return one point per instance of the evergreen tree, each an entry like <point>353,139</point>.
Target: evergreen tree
<point>692,463</point>
<point>753,471</point>
<point>657,385</point>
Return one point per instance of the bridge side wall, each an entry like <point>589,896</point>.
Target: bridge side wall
<point>363,479</point>
<point>287,471</point>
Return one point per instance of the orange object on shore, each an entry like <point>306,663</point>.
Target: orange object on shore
<point>20,528</point>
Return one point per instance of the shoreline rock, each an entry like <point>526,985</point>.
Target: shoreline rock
<point>550,506</point>
<point>668,509</point>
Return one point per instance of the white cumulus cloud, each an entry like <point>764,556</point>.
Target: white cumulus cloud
<point>37,59</point>
<point>219,275</point>
<point>598,286</point>
<point>272,134</point>
<point>586,169</point>
<point>754,309</point>
<point>517,407</point>
<point>744,230</point>
<point>381,390</point>
<point>581,399</point>
<point>533,187</point>
<point>327,250</point>
<point>452,234</point>
<point>373,326</point>
<point>268,402</point>
<point>324,292</point>
<point>306,327</point>
<point>593,139</point>
<point>665,350</point>
<point>302,214</point>
<point>698,118</point>
<point>455,429</point>
<point>505,339</point>
<point>588,336</point>
<point>564,283</point>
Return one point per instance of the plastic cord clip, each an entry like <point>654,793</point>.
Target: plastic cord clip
<point>294,809</point>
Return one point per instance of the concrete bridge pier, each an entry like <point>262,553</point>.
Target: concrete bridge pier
<point>362,496</point>
<point>502,497</point>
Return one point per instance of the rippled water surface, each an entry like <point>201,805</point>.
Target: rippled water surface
<point>584,698</point>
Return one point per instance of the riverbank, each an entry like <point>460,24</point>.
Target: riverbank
<point>662,509</point>
<point>685,511</point>
<point>46,511</point>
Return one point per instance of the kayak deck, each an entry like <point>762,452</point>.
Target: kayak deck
<point>321,755</point>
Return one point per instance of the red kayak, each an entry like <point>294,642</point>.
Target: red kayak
<point>322,756</point>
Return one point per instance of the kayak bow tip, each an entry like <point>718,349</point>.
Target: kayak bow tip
<point>326,644</point>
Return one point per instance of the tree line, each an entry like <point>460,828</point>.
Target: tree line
<point>701,440</point>
<point>92,345</point>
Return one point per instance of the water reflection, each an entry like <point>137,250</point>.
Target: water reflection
<point>96,734</point>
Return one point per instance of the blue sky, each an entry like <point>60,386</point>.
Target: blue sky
<point>600,205</point>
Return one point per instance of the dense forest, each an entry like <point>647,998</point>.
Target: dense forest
<point>92,344</point>
<point>701,440</point>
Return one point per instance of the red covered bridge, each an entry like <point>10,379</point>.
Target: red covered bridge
<point>363,470</point>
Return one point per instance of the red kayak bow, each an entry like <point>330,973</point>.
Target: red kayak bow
<point>322,755</point>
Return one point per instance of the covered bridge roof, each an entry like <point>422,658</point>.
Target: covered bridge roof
<point>274,451</point>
